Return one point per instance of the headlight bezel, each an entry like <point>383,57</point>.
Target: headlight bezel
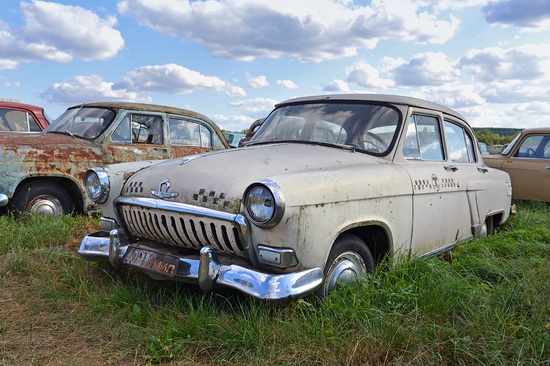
<point>277,198</point>
<point>102,187</point>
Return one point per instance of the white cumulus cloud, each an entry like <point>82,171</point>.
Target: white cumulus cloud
<point>308,30</point>
<point>88,88</point>
<point>175,79</point>
<point>58,33</point>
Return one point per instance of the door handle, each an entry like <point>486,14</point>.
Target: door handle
<point>162,149</point>
<point>451,167</point>
<point>482,170</point>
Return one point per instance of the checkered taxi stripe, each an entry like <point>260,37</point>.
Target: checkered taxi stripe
<point>211,197</point>
<point>434,183</point>
<point>135,187</point>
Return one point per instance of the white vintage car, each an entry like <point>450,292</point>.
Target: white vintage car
<point>327,188</point>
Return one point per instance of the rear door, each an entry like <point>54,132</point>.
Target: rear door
<point>188,136</point>
<point>440,209</point>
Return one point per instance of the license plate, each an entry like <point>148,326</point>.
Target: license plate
<point>147,259</point>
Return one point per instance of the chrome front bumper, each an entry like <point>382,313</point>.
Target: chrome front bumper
<point>205,269</point>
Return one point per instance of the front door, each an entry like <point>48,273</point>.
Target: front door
<point>529,168</point>
<point>139,136</point>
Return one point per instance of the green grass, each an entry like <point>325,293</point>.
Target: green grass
<point>485,303</point>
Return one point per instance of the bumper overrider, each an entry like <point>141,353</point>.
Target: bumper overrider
<point>166,262</point>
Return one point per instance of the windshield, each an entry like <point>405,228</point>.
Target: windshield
<point>370,128</point>
<point>83,122</point>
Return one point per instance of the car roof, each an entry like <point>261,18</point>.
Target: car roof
<point>143,107</point>
<point>384,98</point>
<point>4,103</point>
<point>536,130</point>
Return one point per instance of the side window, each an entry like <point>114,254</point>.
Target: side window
<point>531,147</point>
<point>18,121</point>
<point>459,143</point>
<point>189,133</point>
<point>423,140</point>
<point>139,129</point>
<point>122,133</point>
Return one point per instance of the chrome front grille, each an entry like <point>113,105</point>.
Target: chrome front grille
<point>178,226</point>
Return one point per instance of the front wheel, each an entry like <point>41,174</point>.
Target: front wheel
<point>349,259</point>
<point>42,198</point>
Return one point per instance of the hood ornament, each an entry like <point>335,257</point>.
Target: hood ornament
<point>163,190</point>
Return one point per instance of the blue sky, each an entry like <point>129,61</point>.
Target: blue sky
<point>232,60</point>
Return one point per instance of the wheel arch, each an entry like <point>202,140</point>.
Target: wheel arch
<point>67,183</point>
<point>376,235</point>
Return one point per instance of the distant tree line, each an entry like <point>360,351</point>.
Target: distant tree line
<point>496,135</point>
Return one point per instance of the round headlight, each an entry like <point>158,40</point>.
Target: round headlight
<point>96,183</point>
<point>264,204</point>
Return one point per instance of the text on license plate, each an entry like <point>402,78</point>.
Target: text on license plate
<point>157,262</point>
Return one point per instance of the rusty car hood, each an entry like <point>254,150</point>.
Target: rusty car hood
<point>42,149</point>
<point>219,179</point>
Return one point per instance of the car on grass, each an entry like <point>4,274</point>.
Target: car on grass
<point>327,188</point>
<point>43,172</point>
<point>527,160</point>
<point>21,117</point>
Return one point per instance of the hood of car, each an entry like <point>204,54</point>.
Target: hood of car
<point>37,139</point>
<point>218,179</point>
<point>38,146</point>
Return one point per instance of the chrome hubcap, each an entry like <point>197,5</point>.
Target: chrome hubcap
<point>345,268</point>
<point>45,205</point>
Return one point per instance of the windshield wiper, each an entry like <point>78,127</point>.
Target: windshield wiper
<point>320,143</point>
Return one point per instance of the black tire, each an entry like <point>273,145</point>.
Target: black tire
<point>46,198</point>
<point>349,259</point>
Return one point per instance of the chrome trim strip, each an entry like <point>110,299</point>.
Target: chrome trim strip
<point>176,206</point>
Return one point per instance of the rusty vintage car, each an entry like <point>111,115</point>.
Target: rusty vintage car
<point>527,160</point>
<point>42,172</point>
<point>21,117</point>
<point>326,189</point>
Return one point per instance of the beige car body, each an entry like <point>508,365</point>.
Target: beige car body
<point>527,161</point>
<point>400,205</point>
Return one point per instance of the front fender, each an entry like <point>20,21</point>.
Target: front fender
<point>118,174</point>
